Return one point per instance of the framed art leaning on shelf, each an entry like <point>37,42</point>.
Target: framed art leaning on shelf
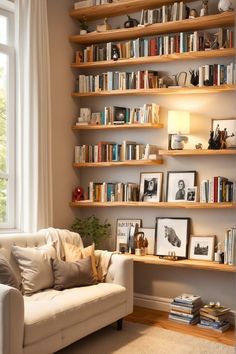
<point>150,187</point>
<point>177,184</point>
<point>171,236</point>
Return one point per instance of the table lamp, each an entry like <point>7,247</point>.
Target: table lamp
<point>178,126</point>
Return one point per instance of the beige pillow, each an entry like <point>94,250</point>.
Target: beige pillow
<point>7,275</point>
<point>73,274</point>
<point>73,253</point>
<point>35,266</point>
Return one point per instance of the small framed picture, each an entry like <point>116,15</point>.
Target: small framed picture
<point>224,133</point>
<point>191,194</point>
<point>149,234</point>
<point>150,187</point>
<point>123,227</point>
<point>201,247</point>
<point>177,184</point>
<point>96,118</point>
<point>171,236</point>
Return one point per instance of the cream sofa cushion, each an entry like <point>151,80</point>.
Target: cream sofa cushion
<point>7,275</point>
<point>73,253</point>
<point>51,311</point>
<point>35,266</point>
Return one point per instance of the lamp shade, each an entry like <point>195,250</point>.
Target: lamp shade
<point>178,122</point>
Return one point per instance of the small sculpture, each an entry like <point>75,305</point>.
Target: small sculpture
<point>131,22</point>
<point>78,194</point>
<point>193,13</point>
<point>104,27</point>
<point>204,9</point>
<point>115,53</point>
<point>194,80</point>
<point>225,5</point>
<point>198,146</point>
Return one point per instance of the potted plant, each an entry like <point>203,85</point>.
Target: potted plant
<point>92,230</point>
<point>83,25</point>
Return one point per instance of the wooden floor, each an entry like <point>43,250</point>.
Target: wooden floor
<point>160,319</point>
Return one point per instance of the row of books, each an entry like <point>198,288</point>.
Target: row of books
<point>160,45</point>
<point>109,81</point>
<point>218,189</point>
<point>185,308</point>
<point>175,12</point>
<point>216,74</point>
<point>113,192</point>
<point>89,3</point>
<point>106,151</point>
<point>230,246</point>
<point>214,317</point>
<point>148,113</point>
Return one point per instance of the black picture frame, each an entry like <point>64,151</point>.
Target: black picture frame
<point>172,236</point>
<point>177,184</point>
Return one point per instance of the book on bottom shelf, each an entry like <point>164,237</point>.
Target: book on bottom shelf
<point>183,319</point>
<point>187,298</point>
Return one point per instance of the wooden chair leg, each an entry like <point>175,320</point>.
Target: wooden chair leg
<point>119,324</point>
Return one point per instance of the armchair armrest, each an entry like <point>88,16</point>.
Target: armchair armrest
<point>120,272</point>
<point>11,320</point>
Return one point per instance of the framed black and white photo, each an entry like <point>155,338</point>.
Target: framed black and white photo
<point>228,125</point>
<point>149,234</point>
<point>191,194</point>
<point>171,236</point>
<point>177,184</point>
<point>150,187</point>
<point>122,231</point>
<point>201,247</point>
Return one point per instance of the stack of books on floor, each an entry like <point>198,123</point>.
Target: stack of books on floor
<point>185,309</point>
<point>215,317</point>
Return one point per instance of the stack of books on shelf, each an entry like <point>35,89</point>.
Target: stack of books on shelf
<point>113,192</point>
<point>216,74</point>
<point>216,190</point>
<point>230,246</point>
<point>214,317</point>
<point>185,309</point>
<point>165,13</point>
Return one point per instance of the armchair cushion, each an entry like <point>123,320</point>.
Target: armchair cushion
<point>35,266</point>
<point>7,275</point>
<point>71,274</point>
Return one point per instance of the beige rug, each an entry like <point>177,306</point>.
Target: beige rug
<point>136,338</point>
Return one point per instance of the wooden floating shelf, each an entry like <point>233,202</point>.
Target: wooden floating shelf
<point>198,23</point>
<point>164,205</point>
<point>218,53</point>
<point>119,163</point>
<point>159,91</point>
<point>118,8</point>
<point>117,126</point>
<point>197,152</point>
<point>188,263</point>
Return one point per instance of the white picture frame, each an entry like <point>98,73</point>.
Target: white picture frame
<point>149,234</point>
<point>122,231</point>
<point>150,186</point>
<point>202,247</point>
<point>191,194</point>
<point>177,184</point>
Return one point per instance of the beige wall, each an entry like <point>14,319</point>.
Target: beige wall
<point>150,280</point>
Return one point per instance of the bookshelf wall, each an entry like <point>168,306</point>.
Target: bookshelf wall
<point>196,99</point>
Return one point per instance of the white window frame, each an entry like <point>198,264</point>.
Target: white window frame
<point>7,9</point>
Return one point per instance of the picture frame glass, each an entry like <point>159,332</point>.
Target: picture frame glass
<point>177,184</point>
<point>122,231</point>
<point>201,247</point>
<point>171,236</point>
<point>150,187</point>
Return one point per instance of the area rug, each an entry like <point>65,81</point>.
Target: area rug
<point>137,338</point>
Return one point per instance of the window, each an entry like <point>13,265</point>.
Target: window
<point>7,116</point>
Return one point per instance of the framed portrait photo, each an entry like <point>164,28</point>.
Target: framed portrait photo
<point>201,247</point>
<point>191,194</point>
<point>177,184</point>
<point>123,227</point>
<point>150,187</point>
<point>171,236</point>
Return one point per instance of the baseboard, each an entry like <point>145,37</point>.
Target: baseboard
<point>152,302</point>
<point>163,304</point>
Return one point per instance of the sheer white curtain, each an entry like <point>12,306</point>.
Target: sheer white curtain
<point>33,115</point>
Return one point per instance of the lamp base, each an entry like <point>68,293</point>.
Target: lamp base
<point>177,141</point>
